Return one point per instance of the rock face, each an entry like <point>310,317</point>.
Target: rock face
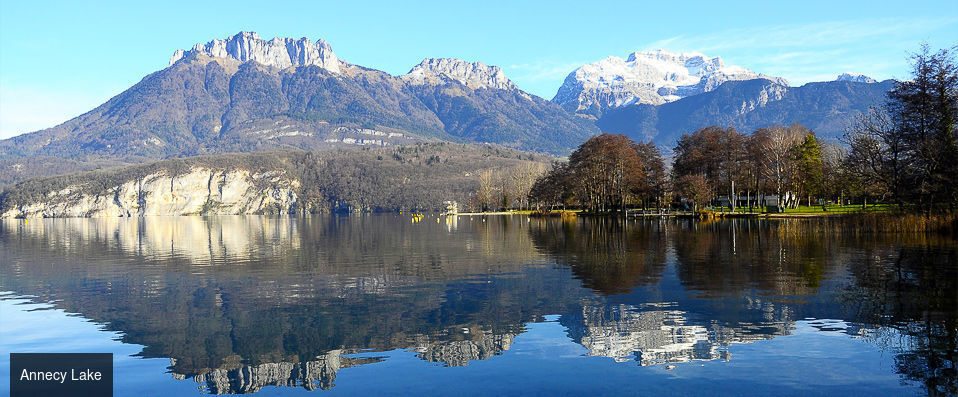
<point>475,75</point>
<point>279,52</point>
<point>200,191</point>
<point>654,78</point>
<point>855,78</point>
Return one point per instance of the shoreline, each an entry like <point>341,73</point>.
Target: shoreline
<point>679,214</point>
<point>528,213</point>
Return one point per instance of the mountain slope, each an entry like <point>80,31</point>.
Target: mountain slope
<point>477,103</point>
<point>827,108</point>
<point>205,105</point>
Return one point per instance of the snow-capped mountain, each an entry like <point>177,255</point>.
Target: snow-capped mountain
<point>433,71</point>
<point>855,78</point>
<point>279,52</point>
<point>653,77</point>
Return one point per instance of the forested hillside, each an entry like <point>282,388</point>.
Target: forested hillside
<point>415,177</point>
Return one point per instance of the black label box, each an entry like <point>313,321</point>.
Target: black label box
<point>61,374</point>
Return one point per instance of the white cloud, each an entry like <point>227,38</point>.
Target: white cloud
<point>812,35</point>
<point>810,52</point>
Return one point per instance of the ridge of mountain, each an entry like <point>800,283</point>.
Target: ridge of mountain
<point>828,108</point>
<point>855,77</point>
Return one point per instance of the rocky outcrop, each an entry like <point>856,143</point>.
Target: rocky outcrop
<point>458,353</point>
<point>769,93</point>
<point>198,191</point>
<point>279,52</point>
<point>475,75</point>
<point>310,375</point>
<point>653,77</point>
<point>855,78</point>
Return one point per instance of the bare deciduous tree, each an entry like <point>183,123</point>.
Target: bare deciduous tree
<point>487,189</point>
<point>696,189</point>
<point>777,159</point>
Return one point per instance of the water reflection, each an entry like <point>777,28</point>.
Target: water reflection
<point>241,379</point>
<point>895,288</point>
<point>656,335</point>
<point>240,303</point>
<point>609,255</point>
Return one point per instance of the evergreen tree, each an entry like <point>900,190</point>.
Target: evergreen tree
<point>808,164</point>
<point>910,145</point>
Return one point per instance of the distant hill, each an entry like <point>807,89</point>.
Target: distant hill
<point>828,108</point>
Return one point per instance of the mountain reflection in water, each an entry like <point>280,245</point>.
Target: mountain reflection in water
<point>239,303</point>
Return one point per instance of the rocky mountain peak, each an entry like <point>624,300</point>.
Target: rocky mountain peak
<point>279,52</point>
<point>856,78</point>
<point>651,77</point>
<point>672,57</point>
<point>432,71</point>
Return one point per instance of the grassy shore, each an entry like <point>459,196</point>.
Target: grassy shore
<point>516,212</point>
<point>875,218</point>
<point>829,209</point>
<point>800,212</point>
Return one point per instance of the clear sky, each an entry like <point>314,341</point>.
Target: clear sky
<point>59,59</point>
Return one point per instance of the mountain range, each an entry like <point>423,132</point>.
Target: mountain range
<point>828,108</point>
<point>654,77</point>
<point>660,95</point>
<point>243,94</point>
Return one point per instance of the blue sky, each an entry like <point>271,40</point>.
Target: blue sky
<point>59,59</point>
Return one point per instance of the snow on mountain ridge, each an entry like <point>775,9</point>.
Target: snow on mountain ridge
<point>855,77</point>
<point>652,77</point>
<point>474,75</point>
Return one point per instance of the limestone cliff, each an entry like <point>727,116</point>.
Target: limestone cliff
<point>475,75</point>
<point>278,52</point>
<point>198,191</point>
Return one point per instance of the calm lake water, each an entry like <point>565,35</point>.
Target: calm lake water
<point>378,304</point>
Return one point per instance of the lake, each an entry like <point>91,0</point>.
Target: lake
<point>496,305</point>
